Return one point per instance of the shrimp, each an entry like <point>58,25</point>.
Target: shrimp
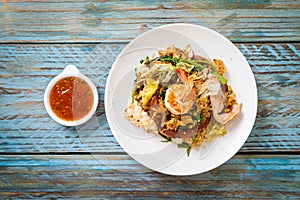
<point>218,101</point>
<point>224,117</point>
<point>180,98</point>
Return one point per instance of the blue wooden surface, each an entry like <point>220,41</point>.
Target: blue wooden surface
<point>42,159</point>
<point>98,176</point>
<point>27,69</point>
<point>121,21</point>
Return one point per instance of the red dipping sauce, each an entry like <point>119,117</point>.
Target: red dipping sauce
<point>71,98</point>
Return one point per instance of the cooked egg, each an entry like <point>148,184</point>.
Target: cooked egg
<point>148,91</point>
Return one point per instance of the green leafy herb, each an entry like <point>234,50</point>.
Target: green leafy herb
<point>199,67</point>
<point>167,139</point>
<point>186,146</point>
<point>145,60</point>
<point>168,58</point>
<point>188,150</point>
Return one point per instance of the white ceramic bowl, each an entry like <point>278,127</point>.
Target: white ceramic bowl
<point>70,70</point>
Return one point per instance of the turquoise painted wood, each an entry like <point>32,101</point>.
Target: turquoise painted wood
<point>42,159</point>
<point>121,21</point>
<point>94,177</point>
<point>26,70</point>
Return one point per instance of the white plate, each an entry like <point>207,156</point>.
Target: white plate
<point>147,148</point>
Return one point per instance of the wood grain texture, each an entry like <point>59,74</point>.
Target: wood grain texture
<point>94,177</point>
<point>25,71</point>
<point>121,21</point>
<point>40,159</point>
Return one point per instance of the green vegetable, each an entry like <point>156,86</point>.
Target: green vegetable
<point>168,139</point>
<point>186,146</point>
<point>208,63</point>
<point>188,150</point>
<point>194,139</point>
<point>133,93</point>
<point>163,94</point>
<point>183,145</point>
<point>222,79</point>
<point>215,131</point>
<point>193,62</point>
<point>145,60</point>
<point>167,58</point>
<point>201,118</point>
<point>174,61</point>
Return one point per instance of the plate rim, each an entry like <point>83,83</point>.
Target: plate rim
<point>174,25</point>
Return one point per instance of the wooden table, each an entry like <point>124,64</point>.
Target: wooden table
<point>42,159</point>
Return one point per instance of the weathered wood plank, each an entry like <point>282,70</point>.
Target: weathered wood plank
<point>25,71</point>
<point>120,21</point>
<point>121,5</point>
<point>95,176</point>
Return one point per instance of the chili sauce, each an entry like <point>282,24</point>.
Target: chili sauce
<point>71,98</point>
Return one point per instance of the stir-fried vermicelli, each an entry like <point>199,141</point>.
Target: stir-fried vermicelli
<point>183,97</point>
